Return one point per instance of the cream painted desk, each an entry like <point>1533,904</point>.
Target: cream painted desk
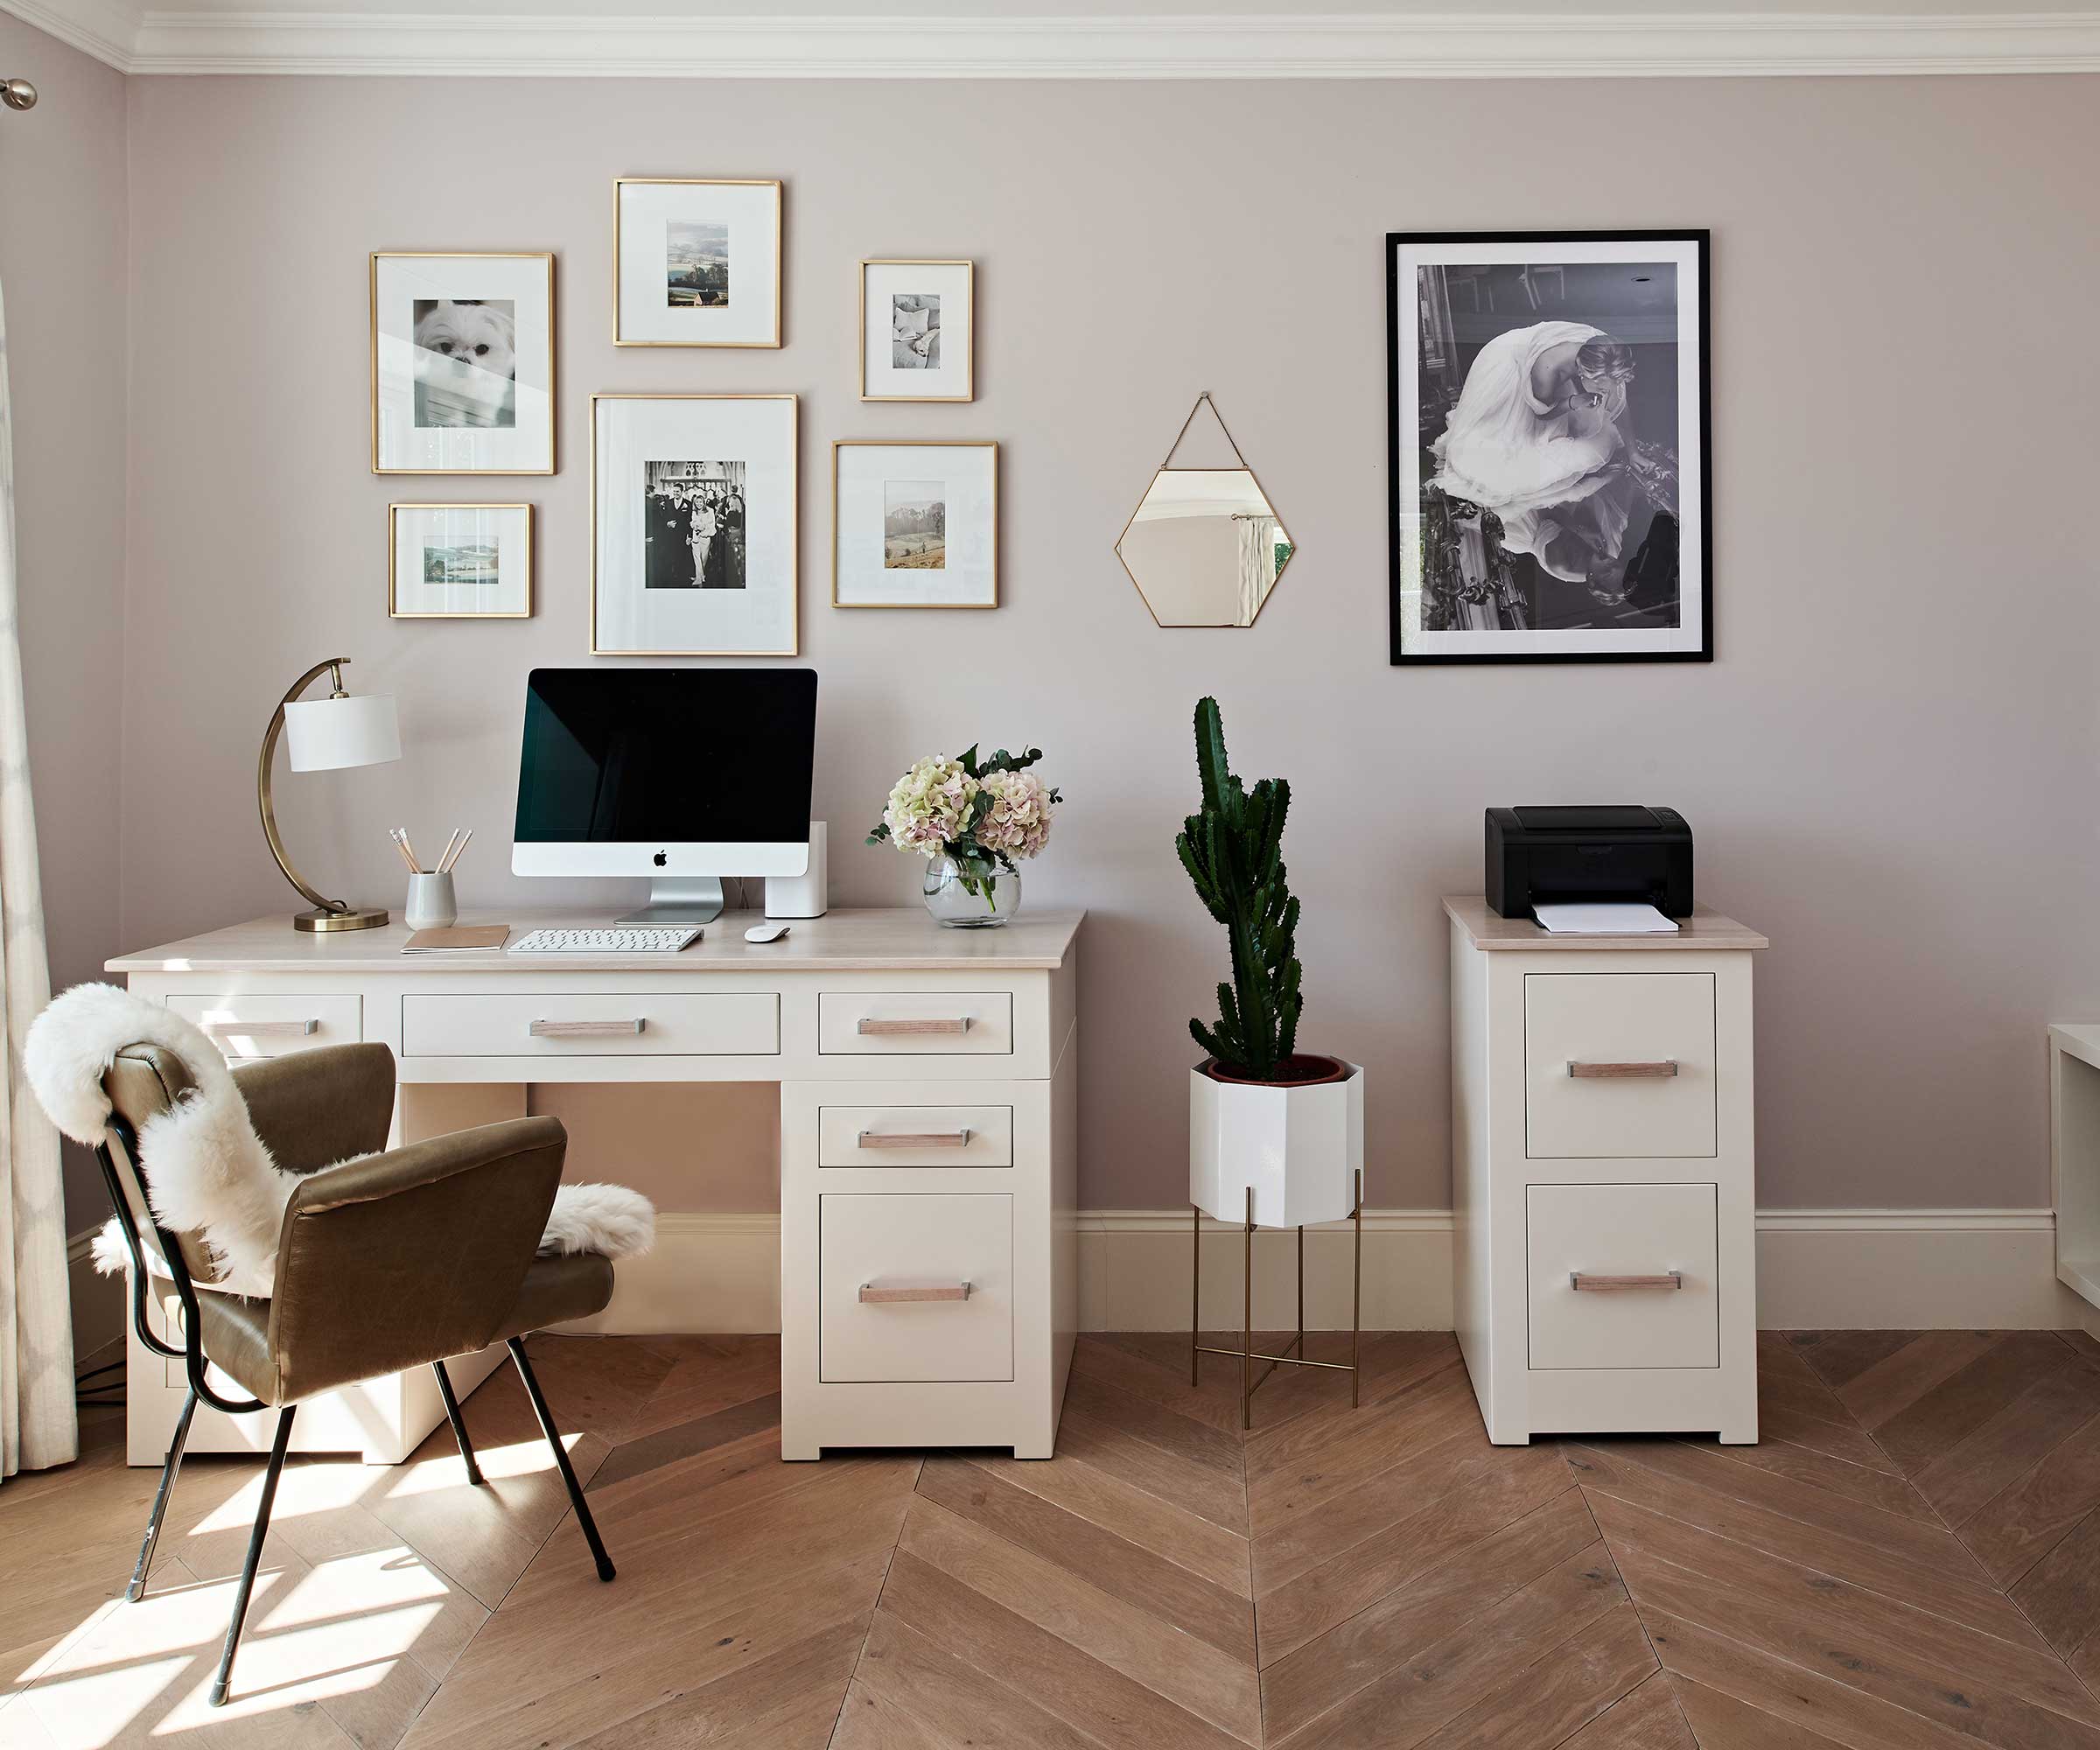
<point>929,1091</point>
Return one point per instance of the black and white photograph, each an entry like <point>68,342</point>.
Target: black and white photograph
<point>466,361</point>
<point>696,261</point>
<point>914,526</point>
<point>462,364</point>
<point>1549,419</point>
<point>697,265</point>
<point>916,331</point>
<point>917,323</point>
<point>693,524</point>
<point>694,513</point>
<point>460,561</point>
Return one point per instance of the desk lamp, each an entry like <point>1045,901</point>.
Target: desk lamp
<point>326,735</point>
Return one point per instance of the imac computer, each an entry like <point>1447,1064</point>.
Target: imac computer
<point>683,775</point>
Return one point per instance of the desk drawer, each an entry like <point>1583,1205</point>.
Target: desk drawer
<point>1622,1275</point>
<point>274,1026</point>
<point>569,1023</point>
<point>1618,1064</point>
<point>914,1022</point>
<point>915,1135</point>
<point>915,1286</point>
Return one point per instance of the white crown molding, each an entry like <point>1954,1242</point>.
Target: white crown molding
<point>1272,45</point>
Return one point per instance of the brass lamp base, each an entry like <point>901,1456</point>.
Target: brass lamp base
<point>356,917</point>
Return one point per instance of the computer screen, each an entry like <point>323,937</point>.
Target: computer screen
<point>678,770</point>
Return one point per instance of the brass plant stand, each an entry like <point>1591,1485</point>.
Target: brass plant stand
<point>1295,1350</point>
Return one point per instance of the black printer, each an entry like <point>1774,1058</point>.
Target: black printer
<point>1593,854</point>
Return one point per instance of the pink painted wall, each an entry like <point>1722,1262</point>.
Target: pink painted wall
<point>1890,768</point>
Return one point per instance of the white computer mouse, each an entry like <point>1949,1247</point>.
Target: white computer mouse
<point>764,932</point>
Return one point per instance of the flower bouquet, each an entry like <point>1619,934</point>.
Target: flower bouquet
<point>971,818</point>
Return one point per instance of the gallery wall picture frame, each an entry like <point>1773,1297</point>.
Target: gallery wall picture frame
<point>918,330</point>
<point>694,520</point>
<point>1549,446</point>
<point>696,261</point>
<point>460,561</point>
<point>915,522</point>
<point>463,376</point>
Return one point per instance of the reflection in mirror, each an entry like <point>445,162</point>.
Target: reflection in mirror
<point>1205,547</point>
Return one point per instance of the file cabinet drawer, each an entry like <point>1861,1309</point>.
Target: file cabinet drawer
<point>1622,1275</point>
<point>914,1286</point>
<point>915,1023</point>
<point>256,1025</point>
<point>1618,1064</point>
<point>915,1135</point>
<point>568,1023</point>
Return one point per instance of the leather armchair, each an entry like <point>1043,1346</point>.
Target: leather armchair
<point>386,1261</point>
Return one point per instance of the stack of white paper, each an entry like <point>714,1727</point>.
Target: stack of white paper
<point>1603,919</point>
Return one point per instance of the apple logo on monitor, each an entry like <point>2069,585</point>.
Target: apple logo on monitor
<point>659,859</point>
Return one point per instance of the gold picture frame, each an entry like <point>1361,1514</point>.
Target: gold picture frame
<point>546,258</point>
<point>394,611</point>
<point>794,523</point>
<point>970,346</point>
<point>780,234</point>
<point>989,444</point>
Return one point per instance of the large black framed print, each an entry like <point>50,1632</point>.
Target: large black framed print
<point>1548,453</point>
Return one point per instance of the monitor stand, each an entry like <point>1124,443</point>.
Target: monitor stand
<point>688,899</point>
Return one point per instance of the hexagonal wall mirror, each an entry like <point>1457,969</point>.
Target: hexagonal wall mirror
<point>1205,547</point>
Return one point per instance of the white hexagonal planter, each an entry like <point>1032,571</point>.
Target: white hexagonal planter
<point>1297,1148</point>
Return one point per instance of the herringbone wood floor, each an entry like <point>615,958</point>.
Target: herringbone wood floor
<point>1911,1558</point>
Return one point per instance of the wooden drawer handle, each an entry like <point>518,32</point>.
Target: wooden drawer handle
<point>869,1027</point>
<point>1584,1283</point>
<point>585,1029</point>
<point>1618,1072</point>
<point>873,1296</point>
<point>913,1139</point>
<point>260,1029</point>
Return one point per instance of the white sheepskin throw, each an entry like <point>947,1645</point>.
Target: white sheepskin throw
<point>209,1172</point>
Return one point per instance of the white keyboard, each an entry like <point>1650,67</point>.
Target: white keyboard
<point>632,939</point>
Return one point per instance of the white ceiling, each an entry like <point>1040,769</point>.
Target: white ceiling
<point>1079,38</point>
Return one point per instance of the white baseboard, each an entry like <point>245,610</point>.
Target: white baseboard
<point>1816,1269</point>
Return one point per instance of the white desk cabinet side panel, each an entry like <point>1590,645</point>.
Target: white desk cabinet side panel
<point>1603,1375</point>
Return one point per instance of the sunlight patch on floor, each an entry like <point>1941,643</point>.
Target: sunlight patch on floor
<point>522,1457</point>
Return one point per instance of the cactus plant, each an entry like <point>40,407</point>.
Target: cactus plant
<point>1232,850</point>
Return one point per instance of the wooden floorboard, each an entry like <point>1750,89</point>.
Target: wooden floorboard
<point>1909,1560</point>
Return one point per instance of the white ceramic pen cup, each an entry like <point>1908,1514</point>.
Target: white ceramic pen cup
<point>431,904</point>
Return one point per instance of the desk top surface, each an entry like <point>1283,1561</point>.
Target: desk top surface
<point>1705,929</point>
<point>899,938</point>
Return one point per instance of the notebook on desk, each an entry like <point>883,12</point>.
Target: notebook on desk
<point>460,939</point>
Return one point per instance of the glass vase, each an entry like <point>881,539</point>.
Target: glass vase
<point>959,900</point>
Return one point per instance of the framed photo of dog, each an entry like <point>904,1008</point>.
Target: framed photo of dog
<point>462,363</point>
<point>695,263</point>
<point>693,521</point>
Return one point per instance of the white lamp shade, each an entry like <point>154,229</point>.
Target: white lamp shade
<point>324,735</point>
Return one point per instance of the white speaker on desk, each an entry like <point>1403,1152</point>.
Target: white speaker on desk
<point>807,895</point>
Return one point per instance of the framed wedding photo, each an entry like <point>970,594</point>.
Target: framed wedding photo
<point>693,525</point>
<point>460,561</point>
<point>1547,446</point>
<point>918,331</point>
<point>462,364</point>
<point>695,263</point>
<point>914,525</point>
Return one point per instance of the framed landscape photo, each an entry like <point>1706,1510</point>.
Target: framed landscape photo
<point>693,525</point>
<point>918,331</point>
<point>462,364</point>
<point>695,263</point>
<point>915,524</point>
<point>460,561</point>
<point>1548,437</point>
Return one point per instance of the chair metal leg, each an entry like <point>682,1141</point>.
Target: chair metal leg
<point>254,1552</point>
<point>561,1458</point>
<point>459,1422</point>
<point>169,1466</point>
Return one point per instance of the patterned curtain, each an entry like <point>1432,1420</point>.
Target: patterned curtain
<point>37,1423</point>
<point>1257,563</point>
